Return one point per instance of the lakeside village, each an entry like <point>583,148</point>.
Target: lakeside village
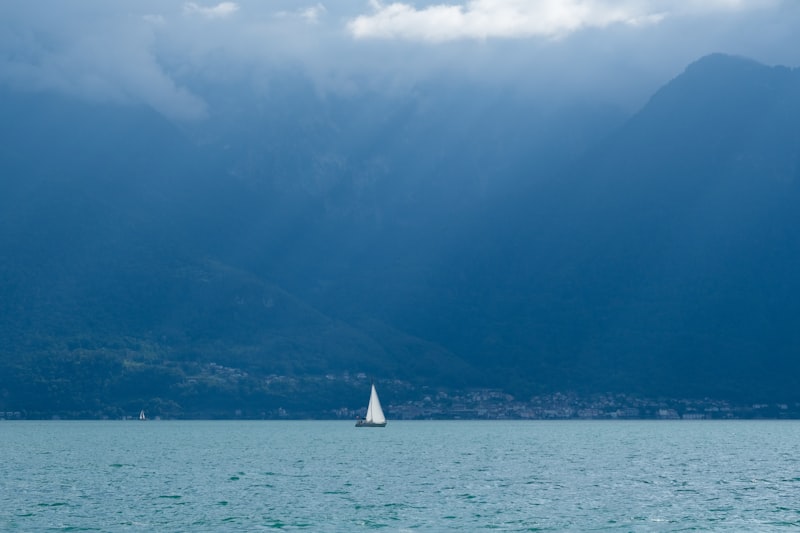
<point>405,401</point>
<point>488,404</point>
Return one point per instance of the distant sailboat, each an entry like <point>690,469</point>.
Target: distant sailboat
<point>141,415</point>
<point>374,418</point>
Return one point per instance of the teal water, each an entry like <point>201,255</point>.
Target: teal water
<point>428,476</point>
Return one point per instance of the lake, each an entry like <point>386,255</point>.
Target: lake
<point>428,476</point>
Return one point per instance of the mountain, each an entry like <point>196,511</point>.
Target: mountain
<point>119,290</point>
<point>456,236</point>
<point>669,253</point>
<point>661,262</point>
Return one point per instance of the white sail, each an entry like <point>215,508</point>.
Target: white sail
<point>374,411</point>
<point>141,415</point>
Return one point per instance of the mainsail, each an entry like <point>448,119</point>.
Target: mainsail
<point>375,417</point>
<point>374,411</point>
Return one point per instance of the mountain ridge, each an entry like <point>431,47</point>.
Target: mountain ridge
<point>143,267</point>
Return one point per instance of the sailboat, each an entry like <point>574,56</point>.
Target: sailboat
<point>374,418</point>
<point>141,415</point>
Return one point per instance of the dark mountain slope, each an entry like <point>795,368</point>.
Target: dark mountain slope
<point>669,258</point>
<point>113,288</point>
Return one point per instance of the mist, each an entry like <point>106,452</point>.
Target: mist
<point>167,54</point>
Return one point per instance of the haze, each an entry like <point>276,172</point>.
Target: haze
<point>167,54</point>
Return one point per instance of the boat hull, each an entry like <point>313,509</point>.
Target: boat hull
<point>365,424</point>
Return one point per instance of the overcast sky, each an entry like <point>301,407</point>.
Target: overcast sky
<point>160,51</point>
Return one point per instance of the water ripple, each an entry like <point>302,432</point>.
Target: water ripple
<point>328,476</point>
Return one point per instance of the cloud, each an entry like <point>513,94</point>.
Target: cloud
<point>95,53</point>
<point>176,57</point>
<point>313,13</point>
<point>221,10</point>
<point>310,14</point>
<point>483,19</point>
